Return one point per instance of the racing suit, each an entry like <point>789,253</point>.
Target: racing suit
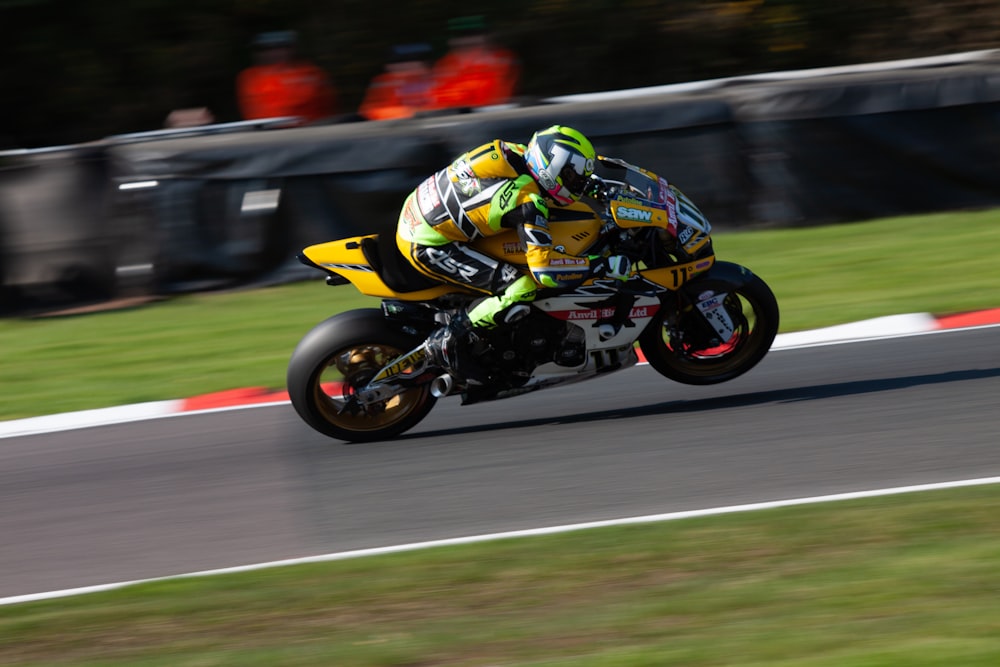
<point>485,192</point>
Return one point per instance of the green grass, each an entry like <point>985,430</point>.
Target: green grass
<point>901,580</point>
<point>185,346</point>
<point>898,580</point>
<point>941,264</point>
<point>210,342</point>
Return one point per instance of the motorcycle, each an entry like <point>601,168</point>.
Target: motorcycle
<point>367,374</point>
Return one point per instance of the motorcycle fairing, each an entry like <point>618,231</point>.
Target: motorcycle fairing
<point>574,231</point>
<point>590,311</point>
<point>347,258</point>
<point>673,277</point>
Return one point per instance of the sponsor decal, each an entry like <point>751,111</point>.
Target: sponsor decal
<point>427,196</point>
<point>672,210</point>
<point>569,276</point>
<point>466,178</point>
<point>717,316</point>
<point>449,264</point>
<point>664,190</point>
<point>409,219</point>
<point>510,248</point>
<point>694,243</point>
<point>589,314</point>
<point>641,311</point>
<point>509,274</point>
<point>568,261</point>
<point>505,194</point>
<point>636,214</point>
<point>547,181</point>
<point>408,362</point>
<point>637,312</point>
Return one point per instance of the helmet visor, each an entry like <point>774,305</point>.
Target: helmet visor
<point>573,181</point>
<point>572,168</point>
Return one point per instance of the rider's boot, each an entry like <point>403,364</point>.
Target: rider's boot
<point>456,346</point>
<point>451,347</point>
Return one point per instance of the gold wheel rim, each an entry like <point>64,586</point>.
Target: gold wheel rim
<point>351,369</point>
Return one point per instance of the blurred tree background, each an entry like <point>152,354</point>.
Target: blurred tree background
<point>78,71</point>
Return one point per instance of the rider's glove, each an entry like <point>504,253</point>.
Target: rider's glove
<point>618,267</point>
<point>597,188</point>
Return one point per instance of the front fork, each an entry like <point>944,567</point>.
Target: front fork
<point>701,320</point>
<point>712,306</point>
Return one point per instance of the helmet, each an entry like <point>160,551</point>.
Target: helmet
<point>561,161</point>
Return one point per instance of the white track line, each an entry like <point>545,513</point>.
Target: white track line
<point>68,421</point>
<point>892,326</point>
<point>879,328</point>
<point>550,530</point>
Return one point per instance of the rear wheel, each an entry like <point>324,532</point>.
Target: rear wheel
<point>685,350</point>
<point>340,356</point>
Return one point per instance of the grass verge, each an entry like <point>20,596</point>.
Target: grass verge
<point>898,580</point>
<point>210,342</point>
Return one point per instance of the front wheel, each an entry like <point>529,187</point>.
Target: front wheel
<point>339,356</point>
<point>681,346</point>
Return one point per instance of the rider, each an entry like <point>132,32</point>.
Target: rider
<point>492,188</point>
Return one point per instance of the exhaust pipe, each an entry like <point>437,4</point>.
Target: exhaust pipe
<point>441,385</point>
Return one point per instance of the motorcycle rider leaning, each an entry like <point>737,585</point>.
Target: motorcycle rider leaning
<point>492,188</point>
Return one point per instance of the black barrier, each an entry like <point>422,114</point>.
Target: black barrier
<point>868,145</point>
<point>57,238</point>
<point>198,210</point>
<point>235,209</point>
<point>690,139</point>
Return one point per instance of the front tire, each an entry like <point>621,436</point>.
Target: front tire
<point>679,350</point>
<point>340,355</point>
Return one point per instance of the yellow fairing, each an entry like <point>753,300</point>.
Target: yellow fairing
<point>629,212</point>
<point>505,247</point>
<point>575,236</point>
<point>344,257</point>
<point>672,277</point>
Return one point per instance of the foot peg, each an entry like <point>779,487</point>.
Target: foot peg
<point>518,312</point>
<point>606,331</point>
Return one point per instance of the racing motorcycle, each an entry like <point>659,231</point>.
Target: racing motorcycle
<point>368,374</point>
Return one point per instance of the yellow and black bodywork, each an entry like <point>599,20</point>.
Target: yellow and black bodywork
<point>643,200</point>
<point>367,374</point>
<point>354,260</point>
<point>357,261</point>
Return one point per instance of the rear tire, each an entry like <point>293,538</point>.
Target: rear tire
<point>340,355</point>
<point>675,353</point>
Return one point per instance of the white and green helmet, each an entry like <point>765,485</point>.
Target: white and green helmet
<point>561,160</point>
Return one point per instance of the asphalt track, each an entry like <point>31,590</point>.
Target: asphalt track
<point>202,491</point>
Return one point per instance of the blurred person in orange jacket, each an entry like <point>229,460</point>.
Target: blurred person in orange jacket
<point>403,89</point>
<point>282,84</point>
<point>475,72</point>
